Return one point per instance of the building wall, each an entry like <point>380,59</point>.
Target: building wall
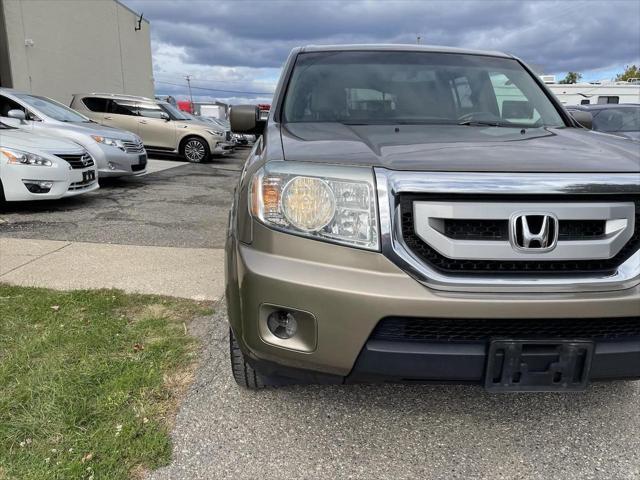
<point>78,46</point>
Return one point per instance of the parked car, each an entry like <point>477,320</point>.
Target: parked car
<point>403,219</point>
<point>621,120</point>
<point>162,127</point>
<point>222,148</point>
<point>240,139</point>
<point>42,167</point>
<point>116,152</point>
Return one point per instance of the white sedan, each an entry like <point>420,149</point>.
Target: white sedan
<point>39,167</point>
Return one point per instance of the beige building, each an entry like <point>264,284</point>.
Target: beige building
<point>59,47</point>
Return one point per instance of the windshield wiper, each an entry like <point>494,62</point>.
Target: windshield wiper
<point>482,123</point>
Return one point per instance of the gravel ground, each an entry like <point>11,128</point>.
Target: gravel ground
<point>185,206</point>
<point>397,431</point>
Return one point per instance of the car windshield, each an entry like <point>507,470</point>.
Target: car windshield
<point>617,120</point>
<point>416,88</point>
<point>52,109</point>
<point>173,112</point>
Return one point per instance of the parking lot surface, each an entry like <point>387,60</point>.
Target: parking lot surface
<point>356,431</point>
<point>397,431</point>
<point>183,206</point>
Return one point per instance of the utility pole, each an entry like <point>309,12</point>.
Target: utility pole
<point>188,78</point>
<point>418,39</point>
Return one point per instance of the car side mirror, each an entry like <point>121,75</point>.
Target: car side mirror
<point>165,116</point>
<point>246,119</point>
<point>18,115</point>
<point>583,118</point>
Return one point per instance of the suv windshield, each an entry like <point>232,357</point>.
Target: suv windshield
<point>416,88</point>
<point>617,120</point>
<point>52,109</point>
<point>173,112</point>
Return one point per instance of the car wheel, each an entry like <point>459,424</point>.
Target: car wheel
<point>195,150</point>
<point>243,372</point>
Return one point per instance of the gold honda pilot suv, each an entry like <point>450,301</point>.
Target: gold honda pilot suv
<point>162,127</point>
<point>420,214</point>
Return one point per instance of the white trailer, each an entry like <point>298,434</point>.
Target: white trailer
<point>215,111</point>
<point>601,93</point>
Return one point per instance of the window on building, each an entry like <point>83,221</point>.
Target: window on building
<point>96,104</point>
<point>608,99</point>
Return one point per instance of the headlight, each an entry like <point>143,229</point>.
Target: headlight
<point>113,142</point>
<point>214,132</point>
<point>326,202</point>
<point>18,157</point>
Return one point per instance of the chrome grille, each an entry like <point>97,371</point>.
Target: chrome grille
<point>455,267</point>
<point>133,147</point>
<point>77,161</point>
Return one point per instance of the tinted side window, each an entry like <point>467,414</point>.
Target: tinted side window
<point>608,99</point>
<point>122,107</point>
<point>7,104</point>
<point>150,110</point>
<point>96,104</point>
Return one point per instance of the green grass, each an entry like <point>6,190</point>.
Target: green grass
<point>89,381</point>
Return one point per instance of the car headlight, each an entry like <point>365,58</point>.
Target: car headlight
<point>113,142</point>
<point>18,157</point>
<point>215,132</point>
<point>331,203</point>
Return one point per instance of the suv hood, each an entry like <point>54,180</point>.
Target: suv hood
<point>32,142</point>
<point>460,148</point>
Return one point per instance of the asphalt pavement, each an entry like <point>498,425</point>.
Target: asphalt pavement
<point>396,431</point>
<point>183,206</point>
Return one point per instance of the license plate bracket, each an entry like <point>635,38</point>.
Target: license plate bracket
<point>538,365</point>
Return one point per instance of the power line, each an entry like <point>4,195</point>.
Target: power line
<point>215,89</point>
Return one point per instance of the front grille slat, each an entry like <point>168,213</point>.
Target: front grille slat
<point>473,229</point>
<point>133,147</point>
<point>409,329</point>
<point>78,161</point>
<point>585,230</point>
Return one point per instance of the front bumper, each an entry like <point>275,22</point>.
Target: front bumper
<point>348,291</point>
<point>223,148</point>
<point>66,183</point>
<point>113,162</point>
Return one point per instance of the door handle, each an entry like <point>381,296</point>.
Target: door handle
<point>143,122</point>
<point>108,118</point>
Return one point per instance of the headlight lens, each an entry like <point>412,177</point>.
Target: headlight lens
<point>113,142</point>
<point>214,132</point>
<point>18,157</point>
<point>324,202</point>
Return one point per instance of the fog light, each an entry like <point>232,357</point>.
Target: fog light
<point>282,324</point>
<point>111,166</point>
<point>35,186</point>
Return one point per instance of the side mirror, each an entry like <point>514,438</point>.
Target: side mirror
<point>165,116</point>
<point>583,118</point>
<point>17,114</point>
<point>246,119</point>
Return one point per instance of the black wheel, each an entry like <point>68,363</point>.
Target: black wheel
<point>243,373</point>
<point>195,150</point>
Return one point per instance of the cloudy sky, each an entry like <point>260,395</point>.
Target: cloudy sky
<point>233,50</point>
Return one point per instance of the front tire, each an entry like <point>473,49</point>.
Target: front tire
<point>195,150</point>
<point>243,372</point>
